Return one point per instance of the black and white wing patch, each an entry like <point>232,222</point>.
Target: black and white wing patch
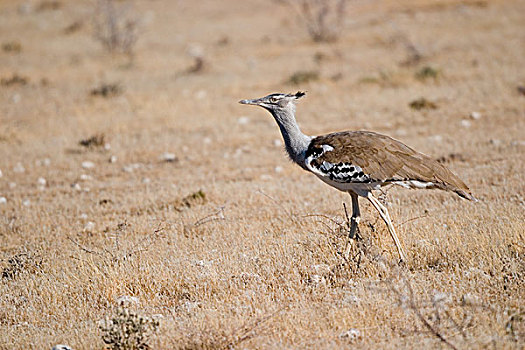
<point>339,172</point>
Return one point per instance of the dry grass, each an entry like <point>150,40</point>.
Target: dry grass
<point>230,246</point>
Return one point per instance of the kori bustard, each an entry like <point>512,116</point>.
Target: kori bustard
<point>358,162</point>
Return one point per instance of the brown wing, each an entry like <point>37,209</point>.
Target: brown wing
<point>384,159</point>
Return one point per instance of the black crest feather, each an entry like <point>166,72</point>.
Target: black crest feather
<point>300,94</point>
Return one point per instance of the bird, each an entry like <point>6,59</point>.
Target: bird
<point>358,162</point>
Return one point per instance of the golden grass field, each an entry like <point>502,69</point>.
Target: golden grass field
<point>229,245</point>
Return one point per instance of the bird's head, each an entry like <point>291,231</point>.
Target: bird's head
<point>276,102</point>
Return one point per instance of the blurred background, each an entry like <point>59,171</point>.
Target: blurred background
<point>120,127</point>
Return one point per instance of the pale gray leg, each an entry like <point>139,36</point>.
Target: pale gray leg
<point>383,211</point>
<point>356,216</point>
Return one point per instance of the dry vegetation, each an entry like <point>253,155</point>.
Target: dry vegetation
<point>168,194</point>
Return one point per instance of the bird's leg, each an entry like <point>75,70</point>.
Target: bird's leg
<point>354,225</point>
<point>383,212</point>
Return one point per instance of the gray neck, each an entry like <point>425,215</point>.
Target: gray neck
<point>296,143</point>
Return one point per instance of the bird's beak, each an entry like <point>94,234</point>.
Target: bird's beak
<point>249,102</point>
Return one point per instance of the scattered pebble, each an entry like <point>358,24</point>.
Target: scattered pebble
<point>317,279</point>
<point>203,263</point>
<point>113,159</point>
<point>439,298</point>
<point>352,334</point>
<point>201,94</point>
<point>475,115</point>
<point>470,299</point>
<point>43,162</point>
<point>62,347</point>
<point>131,167</point>
<point>466,123</point>
<point>90,226</point>
<point>277,143</point>
<point>88,164</point>
<point>146,180</point>
<point>3,200</point>
<point>243,120</point>
<point>168,157</point>
<point>436,138</point>
<point>41,181</point>
<point>206,140</point>
<point>85,177</point>
<point>278,169</point>
<point>126,300</point>
<point>107,146</point>
<point>83,216</point>
<point>401,132</point>
<point>1,173</point>
<point>19,168</point>
<point>26,202</point>
<point>76,187</point>
<point>16,98</point>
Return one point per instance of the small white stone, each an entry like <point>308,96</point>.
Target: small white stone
<point>107,146</point>
<point>168,157</point>
<point>401,132</point>
<point>317,279</point>
<point>195,50</point>
<point>475,115</point>
<point>88,164</point>
<point>19,168</point>
<point>131,167</point>
<point>113,159</point>
<point>206,140</point>
<point>465,123</point>
<point>62,347</point>
<point>127,300</point>
<point>277,143</point>
<point>26,202</point>
<point>1,173</point>
<point>243,120</point>
<point>3,200</point>
<point>146,180</point>
<point>439,298</point>
<point>436,138</point>
<point>90,226</point>
<point>278,169</point>
<point>76,187</point>
<point>85,177</point>
<point>470,299</point>
<point>495,142</point>
<point>321,268</point>
<point>83,216</point>
<point>201,94</point>
<point>352,334</point>
<point>41,181</point>
<point>43,162</point>
<point>16,98</point>
<point>203,263</point>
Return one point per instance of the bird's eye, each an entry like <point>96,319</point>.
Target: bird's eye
<point>273,100</point>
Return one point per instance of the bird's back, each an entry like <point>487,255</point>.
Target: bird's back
<point>383,159</point>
